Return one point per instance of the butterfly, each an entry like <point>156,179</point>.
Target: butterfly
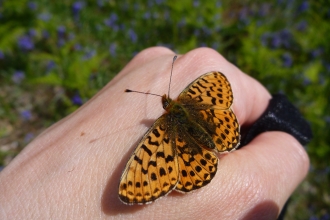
<point>178,151</point>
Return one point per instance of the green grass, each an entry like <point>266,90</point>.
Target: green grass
<point>56,55</point>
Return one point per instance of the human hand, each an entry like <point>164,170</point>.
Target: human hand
<point>72,170</point>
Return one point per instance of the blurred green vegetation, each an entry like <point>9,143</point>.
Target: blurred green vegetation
<point>55,55</point>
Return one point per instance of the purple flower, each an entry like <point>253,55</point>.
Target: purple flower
<point>302,26</point>
<point>147,15</point>
<point>32,6</point>
<point>264,10</point>
<point>50,65</point>
<point>77,6</point>
<point>287,60</point>
<point>196,3</point>
<point>132,35</point>
<point>327,119</point>
<point>76,99</point>
<point>112,49</point>
<point>61,31</point>
<point>111,21</point>
<point>44,16</point>
<point>317,52</point>
<point>89,55</point>
<point>45,34</point>
<point>276,41</point>
<point>100,3</point>
<point>2,55</point>
<point>60,42</point>
<point>26,115</point>
<point>244,15</point>
<point>77,47</point>
<point>32,32</point>
<point>158,2</point>
<point>28,137</point>
<point>215,45</point>
<point>303,7</point>
<point>25,43</point>
<point>286,37</point>
<point>18,77</point>
<point>61,36</point>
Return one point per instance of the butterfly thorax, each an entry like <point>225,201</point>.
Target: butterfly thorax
<point>174,108</point>
<point>181,120</point>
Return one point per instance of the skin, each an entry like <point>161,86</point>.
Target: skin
<point>72,170</point>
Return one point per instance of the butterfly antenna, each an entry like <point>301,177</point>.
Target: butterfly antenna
<point>169,85</point>
<point>146,93</point>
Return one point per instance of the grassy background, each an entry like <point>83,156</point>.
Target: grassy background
<point>55,55</point>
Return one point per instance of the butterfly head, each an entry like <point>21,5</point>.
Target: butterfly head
<point>166,101</point>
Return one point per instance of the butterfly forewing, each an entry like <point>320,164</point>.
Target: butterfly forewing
<point>152,170</point>
<point>212,88</point>
<point>209,99</point>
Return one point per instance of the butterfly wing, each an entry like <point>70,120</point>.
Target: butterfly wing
<point>152,170</point>
<point>197,165</point>
<point>209,99</point>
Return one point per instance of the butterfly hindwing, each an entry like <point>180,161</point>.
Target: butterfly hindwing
<point>197,166</point>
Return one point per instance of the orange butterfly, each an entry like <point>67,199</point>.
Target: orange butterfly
<point>177,152</point>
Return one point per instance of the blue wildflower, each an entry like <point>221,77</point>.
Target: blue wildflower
<point>26,115</point>
<point>45,34</point>
<point>327,119</point>
<point>147,15</point>
<point>286,37</point>
<point>60,42</point>
<point>112,49</point>
<point>89,55</point>
<point>77,47</point>
<point>158,2</point>
<point>2,55</point>
<point>111,21</point>
<point>32,5</point>
<point>303,7</point>
<point>287,60</point>
<point>18,77</point>
<point>196,3</point>
<point>76,8</point>
<point>50,65</point>
<point>215,45</point>
<point>244,15</point>
<point>276,41</point>
<point>317,52</point>
<point>264,9</point>
<point>76,99</point>
<point>44,16</point>
<point>100,3</point>
<point>25,43</point>
<point>28,137</point>
<point>132,35</point>
<point>302,26</point>
<point>32,32</point>
<point>61,31</point>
